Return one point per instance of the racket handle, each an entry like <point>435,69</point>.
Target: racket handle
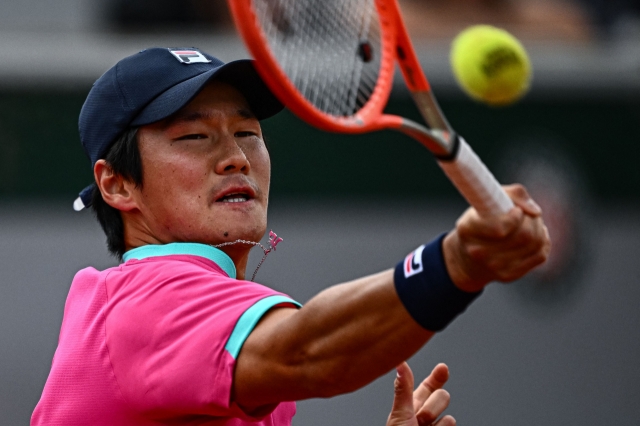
<point>475,182</point>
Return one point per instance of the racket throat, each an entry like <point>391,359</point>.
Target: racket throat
<point>441,143</point>
<point>430,110</point>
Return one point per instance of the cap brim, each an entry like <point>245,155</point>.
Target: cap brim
<point>241,74</point>
<point>85,198</point>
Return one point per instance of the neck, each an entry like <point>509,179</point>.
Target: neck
<point>240,256</point>
<point>238,252</point>
<point>138,234</point>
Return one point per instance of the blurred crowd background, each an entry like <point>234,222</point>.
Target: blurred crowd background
<point>559,347</point>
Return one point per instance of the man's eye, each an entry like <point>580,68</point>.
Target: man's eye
<point>193,136</point>
<point>244,134</point>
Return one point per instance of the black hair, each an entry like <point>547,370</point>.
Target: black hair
<point>124,159</point>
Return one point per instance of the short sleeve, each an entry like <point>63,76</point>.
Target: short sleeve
<point>173,331</point>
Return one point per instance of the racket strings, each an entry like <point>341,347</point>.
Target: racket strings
<point>319,44</point>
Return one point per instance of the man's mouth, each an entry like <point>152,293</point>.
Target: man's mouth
<point>238,191</point>
<point>237,197</point>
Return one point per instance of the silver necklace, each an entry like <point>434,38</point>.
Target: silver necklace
<point>273,242</point>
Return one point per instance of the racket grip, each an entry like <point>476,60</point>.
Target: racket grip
<point>475,182</point>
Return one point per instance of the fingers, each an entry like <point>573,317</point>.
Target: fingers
<point>429,399</point>
<point>522,199</point>
<point>502,226</point>
<point>446,421</point>
<point>435,381</point>
<point>402,409</point>
<point>502,248</point>
<point>423,406</point>
<point>531,239</point>
<point>433,407</point>
<point>472,261</point>
<point>497,228</point>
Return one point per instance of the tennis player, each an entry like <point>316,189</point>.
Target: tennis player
<point>174,335</point>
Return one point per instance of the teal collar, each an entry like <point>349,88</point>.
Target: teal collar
<point>217,256</point>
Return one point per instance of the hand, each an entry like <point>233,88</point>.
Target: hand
<point>423,406</point>
<point>503,248</point>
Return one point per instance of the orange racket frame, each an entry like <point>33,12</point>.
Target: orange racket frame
<point>370,117</point>
<point>456,158</point>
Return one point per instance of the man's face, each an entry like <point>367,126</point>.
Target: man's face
<point>206,171</point>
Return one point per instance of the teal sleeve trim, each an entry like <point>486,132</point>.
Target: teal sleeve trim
<point>250,318</point>
<point>217,256</point>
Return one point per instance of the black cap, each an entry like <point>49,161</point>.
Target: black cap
<point>151,86</point>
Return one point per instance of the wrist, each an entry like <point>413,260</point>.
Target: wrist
<point>426,290</point>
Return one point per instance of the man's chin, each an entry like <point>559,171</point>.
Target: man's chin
<point>227,235</point>
<point>222,225</point>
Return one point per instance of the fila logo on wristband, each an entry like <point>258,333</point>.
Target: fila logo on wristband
<point>189,56</point>
<point>413,262</point>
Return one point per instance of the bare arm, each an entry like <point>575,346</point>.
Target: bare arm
<point>342,339</point>
<point>352,333</point>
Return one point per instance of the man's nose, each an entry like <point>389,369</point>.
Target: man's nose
<point>232,158</point>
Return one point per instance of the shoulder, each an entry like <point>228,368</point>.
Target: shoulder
<point>179,287</point>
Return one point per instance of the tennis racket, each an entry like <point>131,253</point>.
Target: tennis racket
<point>331,62</point>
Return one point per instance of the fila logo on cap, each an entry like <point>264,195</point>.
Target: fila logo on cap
<point>189,56</point>
<point>413,262</point>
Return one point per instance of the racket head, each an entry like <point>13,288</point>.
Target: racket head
<point>331,62</point>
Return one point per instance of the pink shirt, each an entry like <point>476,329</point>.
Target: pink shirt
<point>154,341</point>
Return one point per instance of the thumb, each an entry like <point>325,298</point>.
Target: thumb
<point>403,394</point>
<point>521,198</point>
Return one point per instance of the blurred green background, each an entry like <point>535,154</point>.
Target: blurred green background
<point>40,153</point>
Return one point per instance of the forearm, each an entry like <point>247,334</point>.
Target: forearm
<point>342,339</point>
<point>353,333</point>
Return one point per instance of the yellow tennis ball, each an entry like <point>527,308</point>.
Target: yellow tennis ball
<point>491,65</point>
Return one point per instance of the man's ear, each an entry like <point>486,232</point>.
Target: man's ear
<point>116,190</point>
